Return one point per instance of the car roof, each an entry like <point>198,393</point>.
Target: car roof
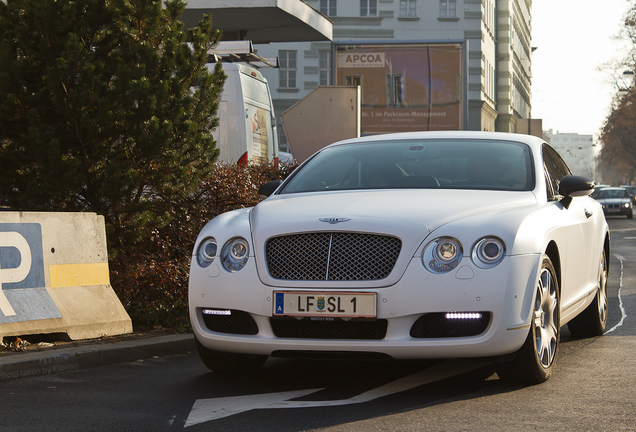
<point>530,140</point>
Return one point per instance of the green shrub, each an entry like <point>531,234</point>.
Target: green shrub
<point>151,276</point>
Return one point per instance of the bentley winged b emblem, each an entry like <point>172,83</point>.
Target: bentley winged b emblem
<point>334,220</point>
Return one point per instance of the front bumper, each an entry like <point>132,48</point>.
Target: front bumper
<point>621,211</point>
<point>419,300</point>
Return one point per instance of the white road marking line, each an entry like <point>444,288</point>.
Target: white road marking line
<point>621,258</point>
<point>205,410</point>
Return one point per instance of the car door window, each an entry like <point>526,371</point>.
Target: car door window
<point>555,170</point>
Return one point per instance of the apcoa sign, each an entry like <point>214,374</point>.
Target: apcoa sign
<point>405,87</point>
<point>361,60</point>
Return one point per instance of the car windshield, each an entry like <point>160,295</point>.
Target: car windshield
<point>421,164</point>
<point>612,193</point>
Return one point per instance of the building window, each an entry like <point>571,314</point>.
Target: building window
<point>394,90</point>
<point>287,69</point>
<point>447,8</point>
<point>368,8</point>
<point>283,144</point>
<point>328,7</point>
<point>352,80</point>
<point>324,60</point>
<point>407,8</point>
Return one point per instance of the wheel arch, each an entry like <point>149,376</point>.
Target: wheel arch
<point>606,248</point>
<point>552,252</point>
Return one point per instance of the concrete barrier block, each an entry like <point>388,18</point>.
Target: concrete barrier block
<point>54,276</point>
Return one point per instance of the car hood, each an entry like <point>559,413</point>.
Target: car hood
<point>421,209</point>
<point>410,215</point>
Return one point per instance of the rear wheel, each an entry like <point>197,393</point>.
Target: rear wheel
<point>593,320</point>
<point>536,359</point>
<point>229,362</point>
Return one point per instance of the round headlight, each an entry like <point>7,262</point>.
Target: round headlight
<point>442,255</point>
<point>447,250</point>
<point>488,252</point>
<point>206,252</point>
<point>235,254</point>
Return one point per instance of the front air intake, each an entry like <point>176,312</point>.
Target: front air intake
<point>450,325</point>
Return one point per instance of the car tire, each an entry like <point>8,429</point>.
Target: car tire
<point>593,320</point>
<point>534,362</point>
<point>630,215</point>
<point>229,362</point>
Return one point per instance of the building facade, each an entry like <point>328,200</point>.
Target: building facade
<point>578,151</point>
<point>493,84</point>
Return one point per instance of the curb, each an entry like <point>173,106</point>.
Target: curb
<point>80,357</point>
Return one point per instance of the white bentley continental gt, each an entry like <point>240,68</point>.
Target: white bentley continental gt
<point>407,246</point>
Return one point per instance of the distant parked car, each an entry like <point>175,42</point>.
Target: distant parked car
<point>616,202</point>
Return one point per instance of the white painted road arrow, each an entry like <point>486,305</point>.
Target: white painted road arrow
<point>205,410</point>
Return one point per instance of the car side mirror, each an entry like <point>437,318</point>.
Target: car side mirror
<point>572,186</point>
<point>268,188</point>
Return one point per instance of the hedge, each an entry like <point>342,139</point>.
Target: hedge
<point>151,279</point>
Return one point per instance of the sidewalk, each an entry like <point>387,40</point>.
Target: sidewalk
<point>45,359</point>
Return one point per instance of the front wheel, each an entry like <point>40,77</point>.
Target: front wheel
<point>229,362</point>
<point>536,359</point>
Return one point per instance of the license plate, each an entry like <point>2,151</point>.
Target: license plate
<point>613,210</point>
<point>325,304</point>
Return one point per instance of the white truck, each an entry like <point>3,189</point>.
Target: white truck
<point>247,130</point>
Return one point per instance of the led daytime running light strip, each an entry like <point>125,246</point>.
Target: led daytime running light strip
<point>223,312</point>
<point>463,315</point>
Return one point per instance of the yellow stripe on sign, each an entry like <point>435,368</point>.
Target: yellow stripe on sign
<point>65,275</point>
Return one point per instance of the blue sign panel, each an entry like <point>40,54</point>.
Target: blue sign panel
<point>23,296</point>
<point>11,257</point>
<point>280,303</point>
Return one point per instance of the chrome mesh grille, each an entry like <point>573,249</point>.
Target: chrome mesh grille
<point>332,256</point>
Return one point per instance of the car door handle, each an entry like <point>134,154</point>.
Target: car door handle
<point>588,214</point>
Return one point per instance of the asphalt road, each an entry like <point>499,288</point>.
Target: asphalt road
<point>593,388</point>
